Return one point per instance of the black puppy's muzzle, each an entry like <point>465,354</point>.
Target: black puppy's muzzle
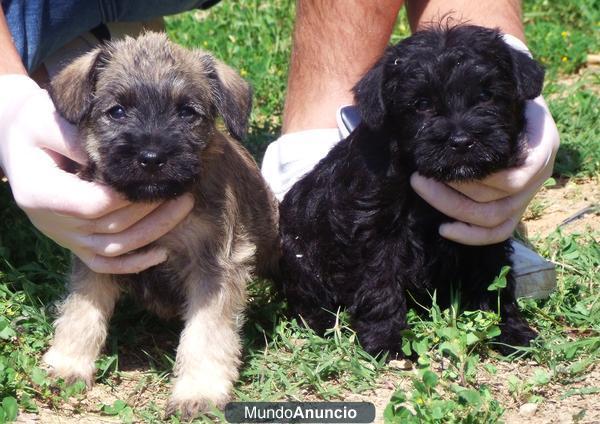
<point>460,141</point>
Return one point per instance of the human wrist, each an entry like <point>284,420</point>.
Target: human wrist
<point>15,89</point>
<point>10,60</point>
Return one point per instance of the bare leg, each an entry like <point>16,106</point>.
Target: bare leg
<point>504,14</point>
<point>82,326</point>
<point>335,43</point>
<point>208,355</point>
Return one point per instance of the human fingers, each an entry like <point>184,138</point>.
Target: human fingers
<point>470,234</point>
<point>475,235</point>
<point>39,185</point>
<point>458,206</point>
<point>50,131</point>
<point>125,264</point>
<point>120,219</point>
<point>478,191</point>
<point>148,229</point>
<point>462,208</point>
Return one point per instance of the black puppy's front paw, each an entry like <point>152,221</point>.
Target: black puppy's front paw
<point>511,339</point>
<point>392,352</point>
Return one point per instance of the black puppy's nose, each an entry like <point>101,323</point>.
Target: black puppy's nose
<point>151,160</point>
<point>460,141</point>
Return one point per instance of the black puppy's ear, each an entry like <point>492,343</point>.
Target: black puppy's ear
<point>528,73</point>
<point>232,97</point>
<point>369,96</point>
<point>72,89</point>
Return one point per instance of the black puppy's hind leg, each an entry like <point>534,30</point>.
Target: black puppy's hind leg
<point>379,316</point>
<point>308,299</point>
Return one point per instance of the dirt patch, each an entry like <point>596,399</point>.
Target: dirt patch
<point>137,388</point>
<point>560,405</point>
<point>553,205</point>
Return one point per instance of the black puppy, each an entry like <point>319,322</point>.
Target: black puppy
<point>448,103</point>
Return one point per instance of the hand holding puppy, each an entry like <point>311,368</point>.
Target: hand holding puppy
<point>487,211</point>
<point>90,219</point>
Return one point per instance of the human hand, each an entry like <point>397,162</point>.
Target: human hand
<point>90,219</point>
<point>488,211</point>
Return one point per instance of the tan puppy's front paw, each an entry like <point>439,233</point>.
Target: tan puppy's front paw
<point>69,368</point>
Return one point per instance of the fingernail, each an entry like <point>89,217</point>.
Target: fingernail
<point>413,177</point>
<point>159,256</point>
<point>189,200</point>
<point>187,197</point>
<point>443,230</point>
<point>417,181</point>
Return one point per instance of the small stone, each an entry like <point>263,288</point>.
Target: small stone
<point>298,342</point>
<point>401,364</point>
<point>528,409</point>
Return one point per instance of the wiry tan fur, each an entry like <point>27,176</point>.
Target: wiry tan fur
<point>230,235</point>
<point>81,328</point>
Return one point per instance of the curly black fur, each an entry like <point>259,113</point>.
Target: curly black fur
<point>448,103</point>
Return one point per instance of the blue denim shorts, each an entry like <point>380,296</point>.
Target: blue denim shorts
<point>40,27</point>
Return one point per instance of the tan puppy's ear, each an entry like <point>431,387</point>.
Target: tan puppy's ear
<point>73,88</point>
<point>232,97</point>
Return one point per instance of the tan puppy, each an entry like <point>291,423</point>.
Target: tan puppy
<point>146,111</point>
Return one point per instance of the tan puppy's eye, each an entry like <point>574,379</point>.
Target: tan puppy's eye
<point>116,112</point>
<point>187,112</point>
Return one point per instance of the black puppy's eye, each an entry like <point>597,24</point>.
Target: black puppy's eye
<point>423,104</point>
<point>485,96</point>
<point>187,112</point>
<point>116,112</point>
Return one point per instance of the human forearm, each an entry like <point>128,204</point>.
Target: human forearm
<point>335,42</point>
<point>10,61</point>
<point>503,14</point>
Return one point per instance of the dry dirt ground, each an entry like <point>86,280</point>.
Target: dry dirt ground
<point>554,205</point>
<point>551,207</point>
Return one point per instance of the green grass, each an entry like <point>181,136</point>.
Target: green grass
<point>284,360</point>
<point>562,33</point>
<point>576,110</point>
